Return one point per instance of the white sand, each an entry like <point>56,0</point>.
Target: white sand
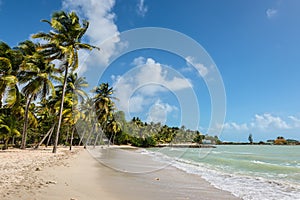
<point>18,169</point>
<point>81,177</point>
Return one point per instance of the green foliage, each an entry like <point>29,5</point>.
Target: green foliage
<point>250,139</point>
<point>198,138</point>
<point>143,142</point>
<point>42,107</point>
<point>9,127</point>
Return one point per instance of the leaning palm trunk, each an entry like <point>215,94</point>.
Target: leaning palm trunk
<point>24,133</point>
<point>49,138</point>
<point>96,139</point>
<point>47,134</point>
<point>61,110</point>
<point>101,133</point>
<point>81,138</point>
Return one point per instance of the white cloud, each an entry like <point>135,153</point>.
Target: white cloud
<point>263,126</point>
<point>102,26</point>
<point>137,103</point>
<point>203,71</point>
<point>148,78</point>
<point>142,9</point>
<point>138,61</point>
<point>235,126</point>
<point>296,121</point>
<point>263,122</point>
<point>159,112</point>
<point>271,12</point>
<point>268,121</point>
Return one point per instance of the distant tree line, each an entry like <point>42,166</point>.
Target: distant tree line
<point>143,134</point>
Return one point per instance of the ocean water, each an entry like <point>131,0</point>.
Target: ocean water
<point>249,172</point>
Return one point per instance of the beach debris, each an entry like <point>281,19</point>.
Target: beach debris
<point>50,182</point>
<point>37,169</point>
<point>73,199</point>
<point>157,178</point>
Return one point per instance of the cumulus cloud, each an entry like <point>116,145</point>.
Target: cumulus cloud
<point>142,9</point>
<point>159,111</point>
<point>271,12</point>
<point>203,70</point>
<point>268,121</point>
<point>138,61</point>
<point>148,78</point>
<point>263,122</point>
<point>102,26</point>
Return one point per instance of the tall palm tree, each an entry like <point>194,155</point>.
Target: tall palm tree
<point>64,41</point>
<point>74,90</point>
<point>36,73</point>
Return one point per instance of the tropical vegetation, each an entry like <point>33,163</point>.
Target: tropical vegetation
<point>43,100</point>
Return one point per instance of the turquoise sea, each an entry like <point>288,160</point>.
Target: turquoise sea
<point>247,171</point>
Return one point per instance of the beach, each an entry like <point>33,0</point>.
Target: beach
<point>84,174</point>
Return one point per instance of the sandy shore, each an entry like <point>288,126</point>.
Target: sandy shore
<point>113,174</point>
<point>20,170</point>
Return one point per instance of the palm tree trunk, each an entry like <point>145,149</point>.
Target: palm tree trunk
<point>49,138</point>
<point>110,139</point>
<point>1,97</point>
<point>81,138</point>
<point>96,140</point>
<point>101,138</point>
<point>67,138</point>
<point>25,125</point>
<point>60,110</point>
<point>89,136</point>
<point>5,144</point>
<point>47,134</point>
<point>72,135</point>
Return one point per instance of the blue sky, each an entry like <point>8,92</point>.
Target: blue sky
<point>255,46</point>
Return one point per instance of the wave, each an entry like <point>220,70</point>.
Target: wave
<point>244,185</point>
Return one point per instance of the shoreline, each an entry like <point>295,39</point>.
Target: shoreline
<point>82,176</point>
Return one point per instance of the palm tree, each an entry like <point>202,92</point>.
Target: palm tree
<point>12,117</point>
<point>8,127</point>
<point>75,85</point>
<point>10,59</point>
<point>64,41</point>
<point>46,114</point>
<point>112,128</point>
<point>74,88</point>
<point>103,102</point>
<point>105,107</point>
<point>36,73</point>
<point>87,120</point>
